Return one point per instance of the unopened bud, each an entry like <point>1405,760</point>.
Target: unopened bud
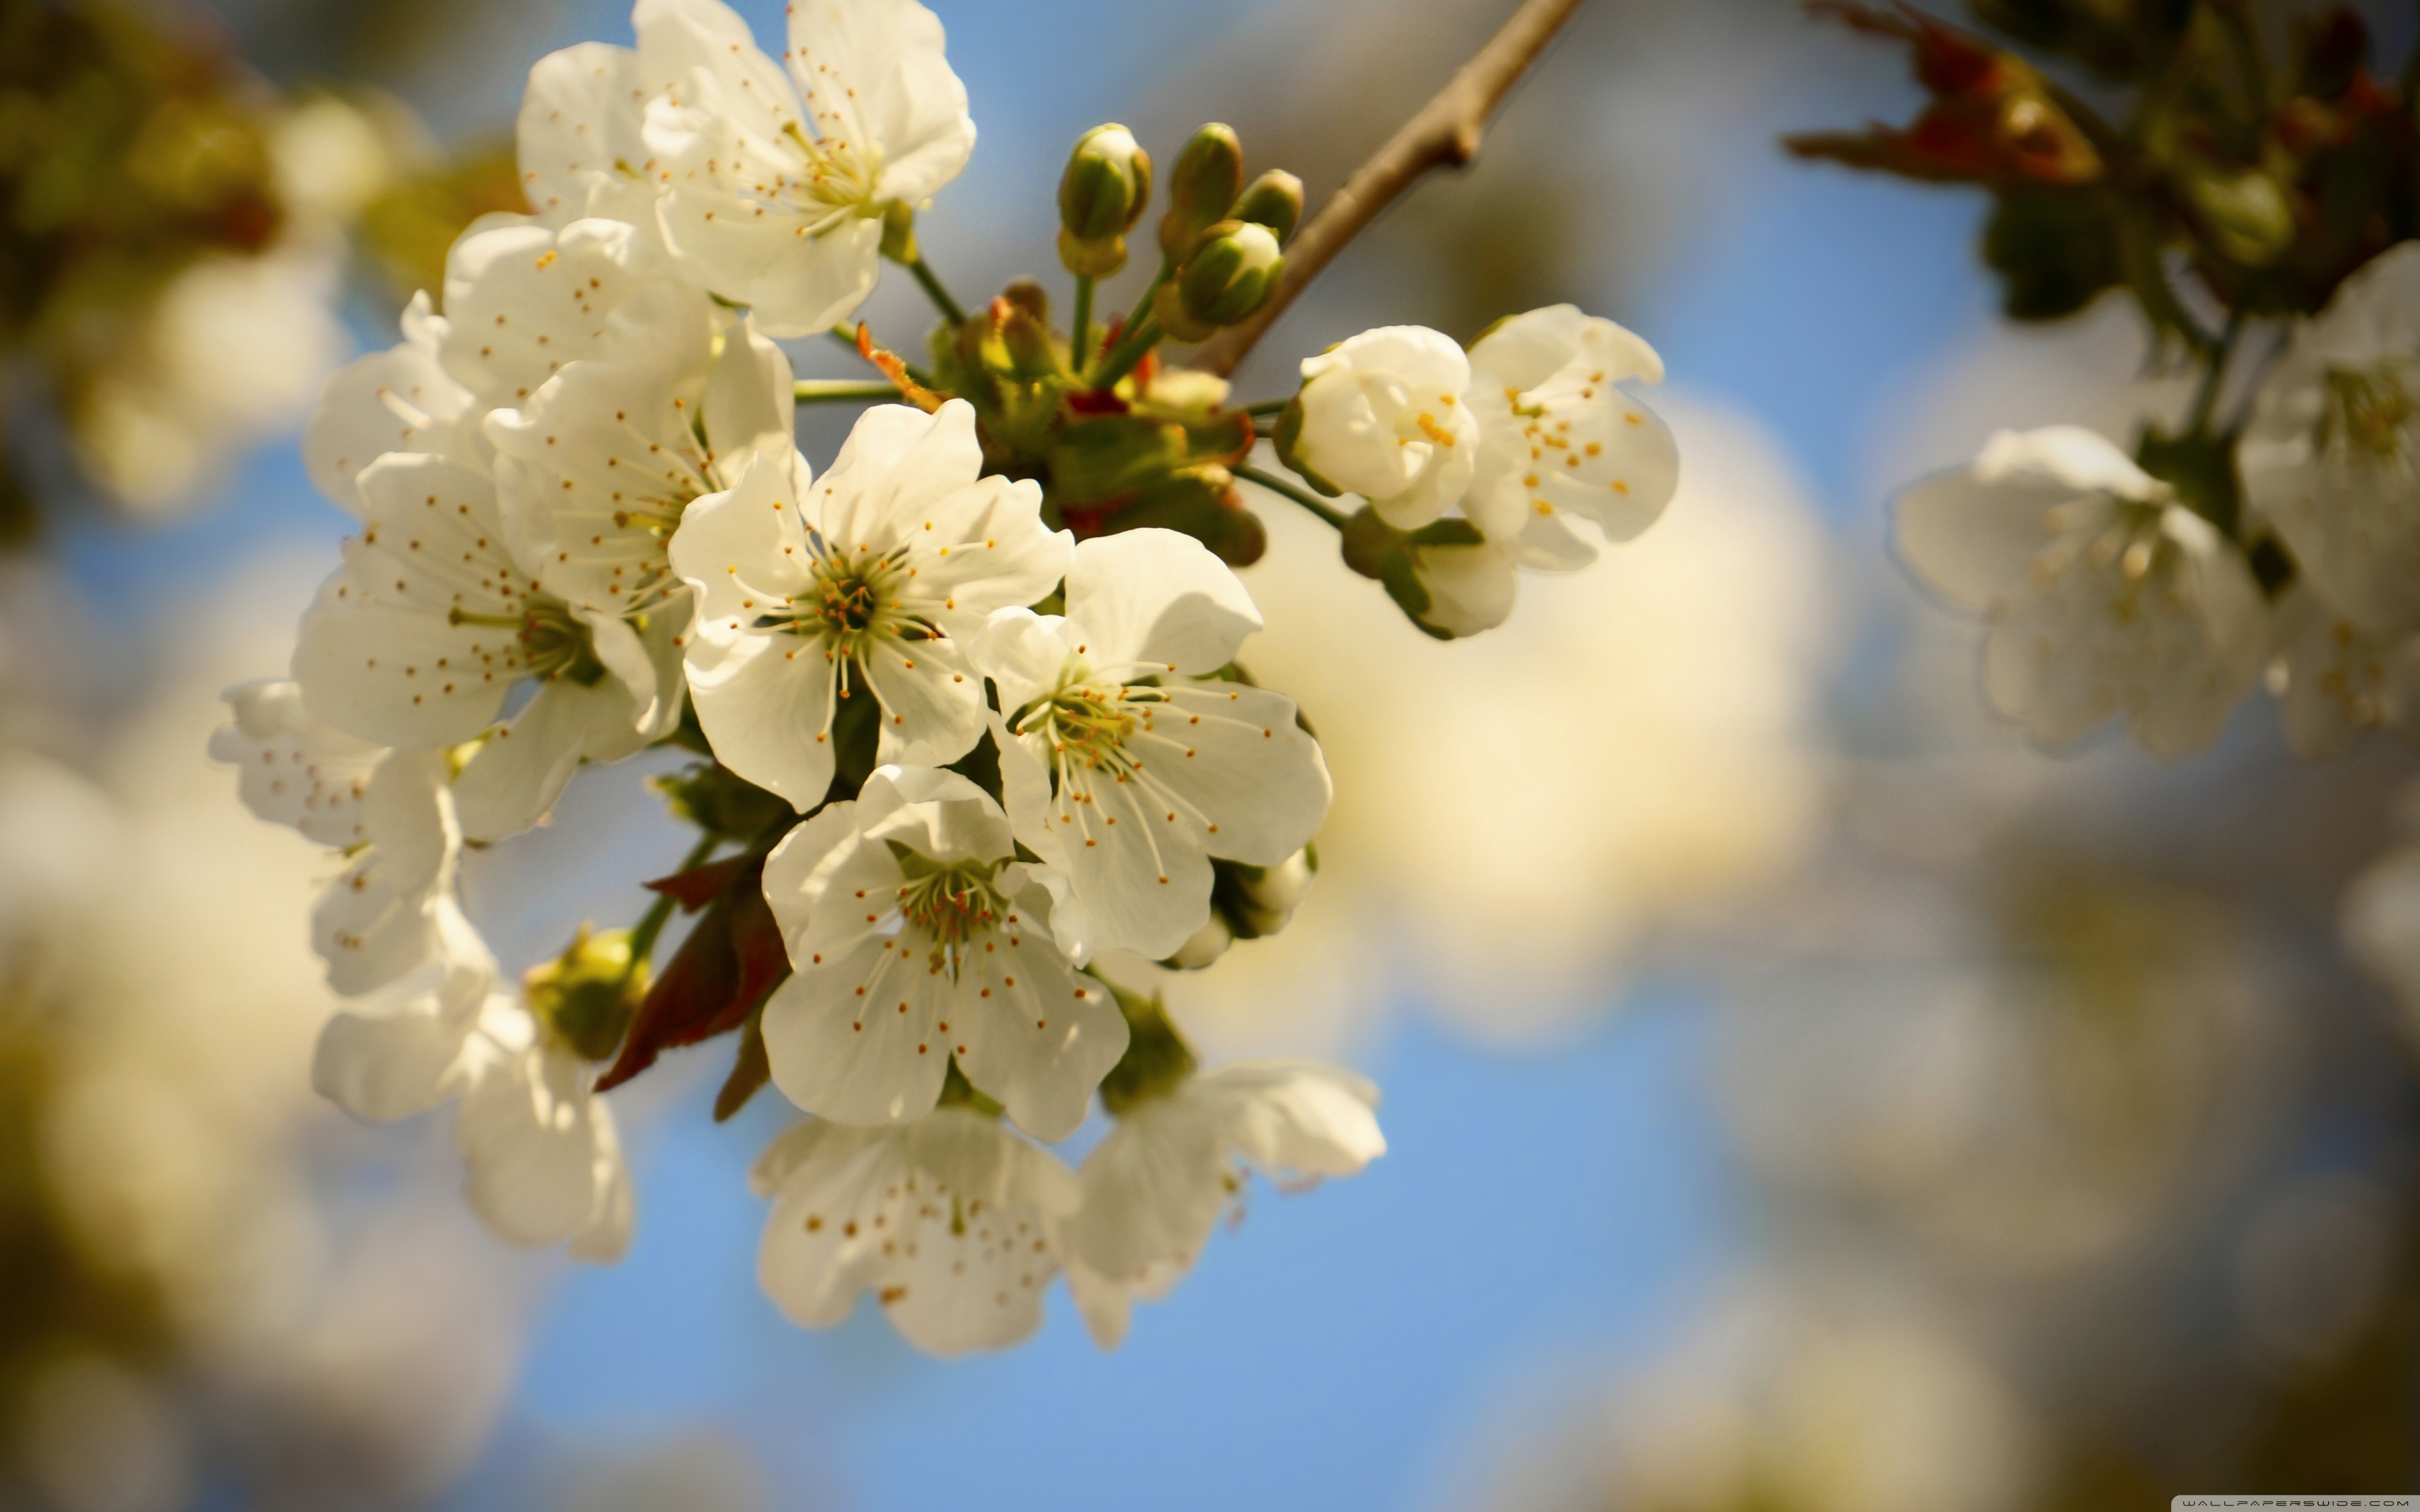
<point>1208,176</point>
<point>587,995</point>
<point>1101,196</point>
<point>1274,200</point>
<point>2245,215</point>
<point>1024,340</point>
<point>1227,276</point>
<point>899,232</point>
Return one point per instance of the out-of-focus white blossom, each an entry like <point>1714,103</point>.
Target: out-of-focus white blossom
<point>2104,597</point>
<point>949,1221</point>
<point>1154,1186</point>
<point>2331,457</point>
<point>545,1162</point>
<point>1634,752</point>
<point>2336,678</point>
<point>1777,1396</point>
<point>229,353</point>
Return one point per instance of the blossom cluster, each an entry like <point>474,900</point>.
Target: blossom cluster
<point>965,724</point>
<point>2108,594</point>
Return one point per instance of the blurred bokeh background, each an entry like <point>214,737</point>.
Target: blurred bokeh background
<point>1802,1096</point>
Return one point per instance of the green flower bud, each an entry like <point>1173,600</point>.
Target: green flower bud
<point>2246,215</point>
<point>899,232</point>
<point>1226,277</point>
<point>1107,184</point>
<point>1025,341</point>
<point>1209,175</point>
<point>1274,200</point>
<point>1101,196</point>
<point>586,996</point>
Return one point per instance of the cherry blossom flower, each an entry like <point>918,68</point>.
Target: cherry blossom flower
<point>777,182</point>
<point>401,400</point>
<point>420,637</point>
<point>2336,678</point>
<point>871,582</point>
<point>1126,764</point>
<point>524,299</point>
<point>948,1221</point>
<point>595,469</point>
<point>392,911</point>
<point>1560,439</point>
<point>2104,597</point>
<point>545,1162</point>
<point>2331,457</point>
<point>1154,1187</point>
<point>916,939</point>
<point>1384,414</point>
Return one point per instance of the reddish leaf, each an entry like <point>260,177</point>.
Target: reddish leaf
<point>699,886</point>
<point>730,961</point>
<point>750,1070</point>
<point>1993,120</point>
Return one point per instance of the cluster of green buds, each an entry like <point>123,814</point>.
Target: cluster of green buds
<point>1118,439</point>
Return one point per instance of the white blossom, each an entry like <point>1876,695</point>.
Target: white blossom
<point>401,400</point>
<point>524,299</point>
<point>545,1162</point>
<point>392,911</point>
<point>430,624</point>
<point>2331,457</point>
<point>1126,765</point>
<point>596,467</point>
<point>1384,415</point>
<point>777,182</point>
<point>916,937</point>
<point>871,582</point>
<point>1153,1190</point>
<point>2105,596</point>
<point>1558,438</point>
<point>2336,678</point>
<point>948,1221</point>
<point>581,138</point>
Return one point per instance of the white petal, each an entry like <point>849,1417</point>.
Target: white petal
<point>1157,597</point>
<point>523,300</point>
<point>389,1066</point>
<point>543,1158</point>
<point>379,653</point>
<point>1024,654</point>
<point>397,400</point>
<point>874,69</point>
<point>294,769</point>
<point>1253,772</point>
<point>582,146</point>
<point>1029,1030</point>
<point>1295,1119</point>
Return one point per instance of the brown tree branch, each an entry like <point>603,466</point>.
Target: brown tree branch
<point>1444,134</point>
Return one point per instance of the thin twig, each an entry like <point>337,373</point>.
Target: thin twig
<point>1300,496</point>
<point>1445,134</point>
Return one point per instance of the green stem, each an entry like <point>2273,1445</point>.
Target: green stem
<point>1080,342</point>
<point>1108,372</point>
<point>841,391</point>
<point>934,291</point>
<point>1279,486</point>
<point>2250,57</point>
<point>659,913</point>
<point>2213,378</point>
<point>1266,408</point>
